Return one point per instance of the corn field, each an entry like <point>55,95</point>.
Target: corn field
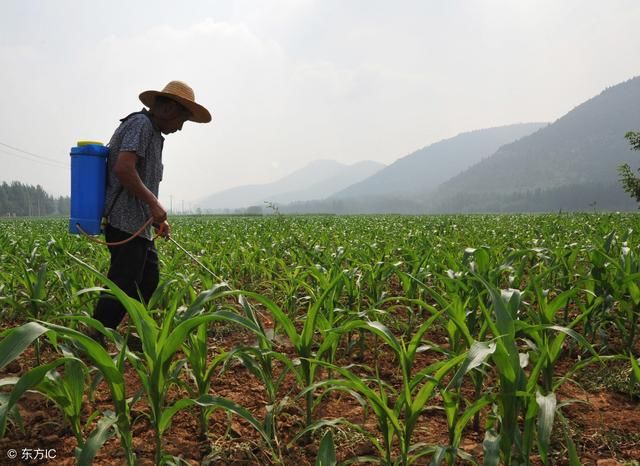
<point>392,340</point>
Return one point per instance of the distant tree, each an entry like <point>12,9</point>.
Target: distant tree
<point>25,200</point>
<point>254,210</point>
<point>64,205</point>
<point>630,182</point>
<point>4,199</point>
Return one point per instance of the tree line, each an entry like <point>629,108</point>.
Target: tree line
<point>21,200</point>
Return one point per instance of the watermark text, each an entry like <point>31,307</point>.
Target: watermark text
<point>29,455</point>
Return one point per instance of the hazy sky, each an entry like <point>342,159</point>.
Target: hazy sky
<point>290,81</point>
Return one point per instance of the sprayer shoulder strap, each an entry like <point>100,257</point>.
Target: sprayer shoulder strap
<point>113,203</point>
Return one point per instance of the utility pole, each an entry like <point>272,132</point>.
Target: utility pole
<point>29,201</point>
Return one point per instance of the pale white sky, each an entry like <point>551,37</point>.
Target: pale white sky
<point>291,81</point>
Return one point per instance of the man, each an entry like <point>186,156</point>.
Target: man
<point>134,174</point>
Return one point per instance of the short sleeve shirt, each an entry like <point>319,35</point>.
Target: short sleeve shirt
<point>136,134</point>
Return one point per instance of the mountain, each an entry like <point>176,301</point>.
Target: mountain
<point>573,160</point>
<point>430,166</point>
<point>317,180</point>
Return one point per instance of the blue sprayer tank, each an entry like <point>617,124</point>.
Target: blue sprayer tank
<point>88,179</point>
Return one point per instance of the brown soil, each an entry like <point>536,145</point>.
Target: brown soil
<point>605,424</point>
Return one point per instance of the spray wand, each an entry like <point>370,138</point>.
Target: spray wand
<point>137,233</point>
<point>194,259</point>
<point>159,230</point>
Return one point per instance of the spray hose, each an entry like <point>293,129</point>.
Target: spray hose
<point>116,243</point>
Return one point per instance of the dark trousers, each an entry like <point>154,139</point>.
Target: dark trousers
<point>134,268</point>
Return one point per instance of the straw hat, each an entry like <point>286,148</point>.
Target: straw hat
<point>183,94</point>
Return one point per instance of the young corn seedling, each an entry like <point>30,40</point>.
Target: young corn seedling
<point>67,390</point>
<point>620,277</point>
<point>464,327</point>
<point>396,419</point>
<point>512,378</point>
<point>260,361</point>
<point>35,292</point>
<point>157,367</point>
<point>302,342</point>
<point>201,370</point>
<point>458,410</point>
<point>521,397</point>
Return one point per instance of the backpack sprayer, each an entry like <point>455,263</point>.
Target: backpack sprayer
<point>88,187</point>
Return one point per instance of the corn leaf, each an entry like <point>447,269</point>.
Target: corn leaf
<point>327,451</point>
<point>546,415</point>
<point>17,340</point>
<point>103,431</point>
<point>491,448</point>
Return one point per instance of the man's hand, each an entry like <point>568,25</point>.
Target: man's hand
<point>163,229</point>
<point>158,212</point>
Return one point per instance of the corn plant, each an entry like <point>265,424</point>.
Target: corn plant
<point>303,341</point>
<point>458,410</point>
<point>316,280</point>
<point>464,328</point>
<point>512,378</point>
<point>35,293</point>
<point>14,342</point>
<point>396,419</point>
<point>201,370</point>
<point>157,367</point>
<point>618,278</point>
<point>66,392</point>
<point>521,396</point>
<point>260,361</point>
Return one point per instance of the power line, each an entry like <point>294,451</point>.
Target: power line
<point>28,153</point>
<point>39,158</point>
<point>43,162</point>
